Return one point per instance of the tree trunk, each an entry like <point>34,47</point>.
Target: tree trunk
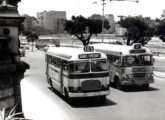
<point>32,46</point>
<point>128,41</point>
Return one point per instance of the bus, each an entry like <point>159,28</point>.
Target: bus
<point>128,65</point>
<point>43,41</point>
<point>77,72</point>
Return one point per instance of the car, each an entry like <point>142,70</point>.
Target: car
<point>48,46</point>
<point>22,51</point>
<point>25,44</point>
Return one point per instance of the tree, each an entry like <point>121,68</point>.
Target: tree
<point>84,28</point>
<point>11,2</point>
<point>31,37</point>
<point>139,30</point>
<point>161,30</point>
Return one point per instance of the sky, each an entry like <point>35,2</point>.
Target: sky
<point>147,8</point>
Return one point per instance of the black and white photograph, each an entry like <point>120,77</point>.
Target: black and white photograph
<point>82,59</point>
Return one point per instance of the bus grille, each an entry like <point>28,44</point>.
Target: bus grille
<point>139,75</point>
<point>90,85</point>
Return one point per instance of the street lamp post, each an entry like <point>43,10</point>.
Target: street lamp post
<point>103,3</point>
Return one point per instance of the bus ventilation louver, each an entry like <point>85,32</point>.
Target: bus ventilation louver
<point>91,85</point>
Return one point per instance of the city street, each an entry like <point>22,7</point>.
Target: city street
<point>131,103</point>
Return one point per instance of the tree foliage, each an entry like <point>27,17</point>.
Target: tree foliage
<point>84,28</point>
<point>161,30</point>
<point>31,36</point>
<point>139,30</point>
<point>11,2</point>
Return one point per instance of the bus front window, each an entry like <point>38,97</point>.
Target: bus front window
<point>79,67</point>
<point>98,66</point>
<point>145,59</point>
<point>137,60</point>
<point>130,60</point>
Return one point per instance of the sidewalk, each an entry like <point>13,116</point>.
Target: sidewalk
<point>159,74</point>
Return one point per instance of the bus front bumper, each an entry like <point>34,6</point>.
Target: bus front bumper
<point>89,94</point>
<point>137,82</point>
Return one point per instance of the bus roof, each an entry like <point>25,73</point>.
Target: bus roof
<point>121,49</point>
<point>70,54</point>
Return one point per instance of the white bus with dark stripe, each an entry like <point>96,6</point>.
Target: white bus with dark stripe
<point>76,73</point>
<point>129,65</point>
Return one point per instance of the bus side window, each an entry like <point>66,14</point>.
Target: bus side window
<point>116,60</point>
<point>50,59</point>
<point>110,58</point>
<point>65,67</point>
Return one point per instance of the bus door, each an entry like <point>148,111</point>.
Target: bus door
<point>61,77</point>
<point>63,74</point>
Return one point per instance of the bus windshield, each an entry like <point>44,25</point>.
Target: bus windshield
<point>137,60</point>
<point>79,67</point>
<point>96,66</point>
<point>145,59</point>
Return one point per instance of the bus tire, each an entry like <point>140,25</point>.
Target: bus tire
<point>67,98</point>
<point>146,86</point>
<point>117,83</point>
<point>51,85</point>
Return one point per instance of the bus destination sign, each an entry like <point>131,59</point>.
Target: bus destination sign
<point>89,56</point>
<point>137,46</point>
<point>88,48</point>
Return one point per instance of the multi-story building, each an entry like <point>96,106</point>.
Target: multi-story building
<point>120,31</point>
<point>52,20</point>
<point>40,19</point>
<point>109,18</point>
<point>96,17</point>
<point>30,22</point>
<point>163,15</point>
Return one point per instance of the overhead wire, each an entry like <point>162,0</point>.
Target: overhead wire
<point>79,9</point>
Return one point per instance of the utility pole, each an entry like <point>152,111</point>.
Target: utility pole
<point>103,21</point>
<point>103,17</point>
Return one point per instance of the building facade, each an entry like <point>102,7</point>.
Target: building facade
<point>112,23</point>
<point>52,20</point>
<point>109,18</point>
<point>30,22</point>
<point>163,14</point>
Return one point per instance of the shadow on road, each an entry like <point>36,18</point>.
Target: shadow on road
<point>137,89</point>
<point>90,102</point>
<point>85,102</point>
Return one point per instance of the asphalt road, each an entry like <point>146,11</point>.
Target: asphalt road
<point>131,103</point>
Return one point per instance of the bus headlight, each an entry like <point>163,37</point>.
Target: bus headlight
<point>105,80</point>
<point>126,76</point>
<point>106,86</point>
<point>149,75</point>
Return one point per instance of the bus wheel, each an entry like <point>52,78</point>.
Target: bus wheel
<point>146,86</point>
<point>102,98</point>
<point>51,85</point>
<point>117,84</point>
<point>66,95</point>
